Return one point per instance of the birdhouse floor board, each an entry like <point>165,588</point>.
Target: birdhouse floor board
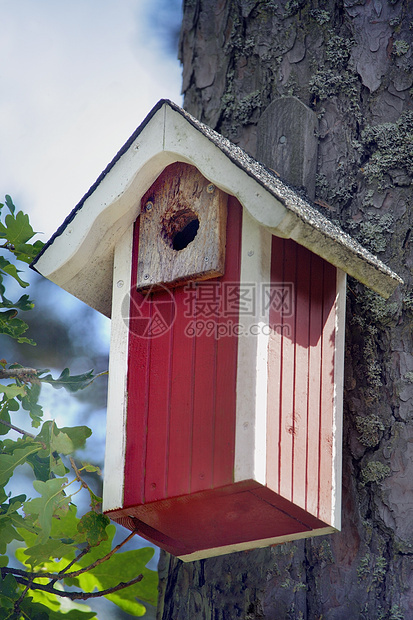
<point>227,516</point>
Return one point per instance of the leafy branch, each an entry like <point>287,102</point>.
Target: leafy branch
<point>63,574</point>
<point>72,383</point>
<point>62,556</point>
<point>29,585</point>
<point>27,579</point>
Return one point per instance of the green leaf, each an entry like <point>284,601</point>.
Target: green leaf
<point>91,468</point>
<point>64,535</point>
<point>58,609</point>
<point>14,327</point>
<point>8,534</point>
<point>62,440</point>
<point>10,520</point>
<point>67,440</point>
<point>55,442</point>
<point>8,592</point>
<point>41,466</point>
<point>23,303</point>
<point>7,268</point>
<point>37,555</point>
<point>18,228</point>
<point>26,252</point>
<point>94,525</point>
<point>5,416</point>
<point>43,508</point>
<point>30,403</point>
<point>12,390</point>
<point>95,500</point>
<point>9,203</point>
<point>77,435</point>
<point>13,405</point>
<point>9,314</point>
<point>9,462</point>
<point>38,607</point>
<point>72,383</point>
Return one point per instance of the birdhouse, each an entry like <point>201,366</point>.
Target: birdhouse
<point>226,290</point>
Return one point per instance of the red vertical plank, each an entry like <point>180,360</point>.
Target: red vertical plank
<point>204,386</point>
<point>301,377</point>
<point>226,366</point>
<point>288,381</point>
<point>180,429</point>
<point>327,394</point>
<point>138,385</point>
<point>314,382</point>
<point>158,408</point>
<point>202,430</point>
<point>274,370</point>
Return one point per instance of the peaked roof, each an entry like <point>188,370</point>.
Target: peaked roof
<point>79,256</point>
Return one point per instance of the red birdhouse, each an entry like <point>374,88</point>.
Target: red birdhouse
<point>226,291</point>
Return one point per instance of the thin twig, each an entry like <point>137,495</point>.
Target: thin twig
<point>19,430</point>
<point>24,374</point>
<point>101,560</point>
<point>76,559</point>
<point>80,595</point>
<point>77,473</point>
<point>21,597</point>
<point>61,573</point>
<point>57,576</point>
<point>100,374</point>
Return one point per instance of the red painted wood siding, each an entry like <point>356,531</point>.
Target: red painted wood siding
<point>301,380</point>
<point>180,433</point>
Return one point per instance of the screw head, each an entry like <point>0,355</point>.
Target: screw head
<point>146,276</point>
<point>210,188</point>
<point>206,259</point>
<point>251,253</point>
<point>283,140</point>
<point>149,206</point>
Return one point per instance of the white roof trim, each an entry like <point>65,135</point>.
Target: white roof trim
<point>79,256</point>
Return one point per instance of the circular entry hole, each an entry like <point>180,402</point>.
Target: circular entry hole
<point>180,228</point>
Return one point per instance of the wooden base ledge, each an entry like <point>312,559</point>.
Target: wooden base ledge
<point>236,517</point>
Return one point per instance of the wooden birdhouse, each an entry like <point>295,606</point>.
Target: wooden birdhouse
<point>226,291</point>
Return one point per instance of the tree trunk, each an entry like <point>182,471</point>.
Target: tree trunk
<point>350,61</point>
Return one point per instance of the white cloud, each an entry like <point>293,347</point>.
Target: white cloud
<point>76,79</point>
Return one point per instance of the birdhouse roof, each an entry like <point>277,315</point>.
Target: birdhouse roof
<point>79,256</point>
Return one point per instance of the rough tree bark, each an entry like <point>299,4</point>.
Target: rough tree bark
<point>351,62</point>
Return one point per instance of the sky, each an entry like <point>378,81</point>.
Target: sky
<point>76,79</point>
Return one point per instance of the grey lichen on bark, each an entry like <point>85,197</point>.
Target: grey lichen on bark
<point>351,63</point>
